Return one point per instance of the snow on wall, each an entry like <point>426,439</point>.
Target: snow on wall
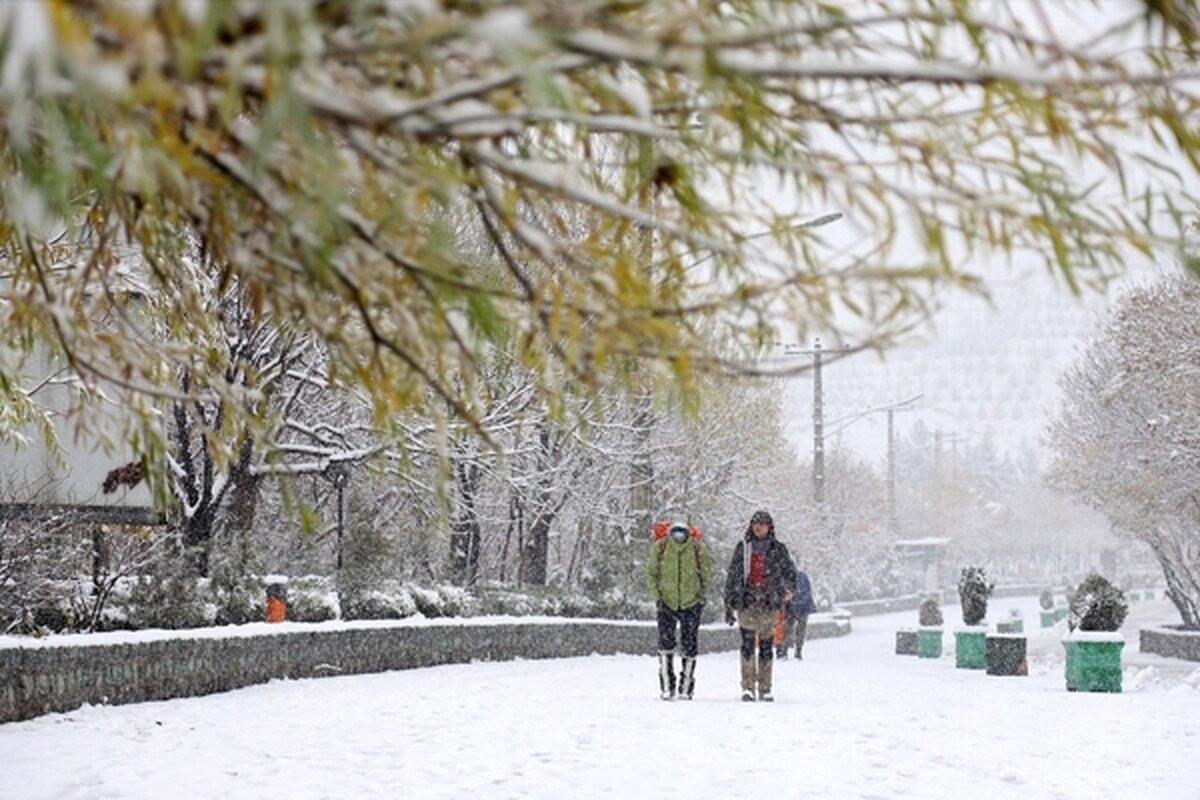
<point>37,679</point>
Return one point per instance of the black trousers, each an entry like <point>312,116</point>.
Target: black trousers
<point>688,621</point>
<point>766,646</point>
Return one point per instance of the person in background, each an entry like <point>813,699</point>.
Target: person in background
<point>791,624</point>
<point>757,585</point>
<point>678,572</point>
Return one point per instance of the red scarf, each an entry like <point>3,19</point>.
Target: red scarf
<point>757,579</point>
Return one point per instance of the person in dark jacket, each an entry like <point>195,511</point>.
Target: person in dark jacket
<point>759,582</point>
<point>792,622</point>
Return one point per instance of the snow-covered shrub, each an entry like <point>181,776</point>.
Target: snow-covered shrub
<point>973,591</point>
<point>35,558</point>
<point>114,615</point>
<point>311,598</point>
<point>173,600</point>
<point>240,600</point>
<point>445,601</point>
<point>391,600</point>
<point>500,601</point>
<point>578,605</point>
<point>57,612</point>
<point>1046,598</point>
<point>930,613</point>
<point>457,601</point>
<point>428,602</point>
<point>1097,605</point>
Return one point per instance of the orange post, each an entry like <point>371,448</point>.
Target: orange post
<point>276,602</point>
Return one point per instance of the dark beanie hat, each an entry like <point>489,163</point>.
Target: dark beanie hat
<point>761,516</point>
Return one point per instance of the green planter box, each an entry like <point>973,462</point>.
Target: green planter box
<point>1060,613</point>
<point>1148,594</point>
<point>1049,618</point>
<point>970,649</point>
<point>906,642</point>
<point>929,642</point>
<point>1006,654</point>
<point>1094,661</point>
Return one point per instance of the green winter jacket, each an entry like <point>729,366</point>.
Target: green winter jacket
<point>678,574</point>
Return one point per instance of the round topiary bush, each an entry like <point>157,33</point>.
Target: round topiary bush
<point>973,591</point>
<point>1046,598</point>
<point>930,613</point>
<point>1097,605</point>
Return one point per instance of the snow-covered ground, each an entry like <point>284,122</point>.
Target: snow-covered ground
<point>851,720</point>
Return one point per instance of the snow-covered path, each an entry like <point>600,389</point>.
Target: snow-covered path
<point>851,721</point>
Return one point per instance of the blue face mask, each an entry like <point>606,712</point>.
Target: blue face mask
<point>679,534</point>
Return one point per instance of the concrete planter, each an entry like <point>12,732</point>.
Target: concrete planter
<point>970,647</point>
<point>1006,654</point>
<point>1093,661</point>
<point>1010,626</point>
<point>906,642</point>
<point>929,642</point>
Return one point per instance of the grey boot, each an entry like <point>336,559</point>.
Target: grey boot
<point>666,674</point>
<point>687,677</point>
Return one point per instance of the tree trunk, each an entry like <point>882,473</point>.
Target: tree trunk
<point>1183,584</point>
<point>238,520</point>
<point>466,531</point>
<point>642,469</point>
<point>536,551</point>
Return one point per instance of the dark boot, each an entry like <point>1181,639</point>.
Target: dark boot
<point>687,677</point>
<point>666,674</point>
<point>749,677</point>
<point>765,665</point>
<point>781,652</point>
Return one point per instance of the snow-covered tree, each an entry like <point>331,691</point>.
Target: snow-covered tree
<point>1126,438</point>
<point>314,149</point>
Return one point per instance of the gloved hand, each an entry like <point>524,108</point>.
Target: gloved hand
<point>730,617</point>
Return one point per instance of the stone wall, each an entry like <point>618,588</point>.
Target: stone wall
<point>865,608</point>
<point>43,677</point>
<point>1170,641</point>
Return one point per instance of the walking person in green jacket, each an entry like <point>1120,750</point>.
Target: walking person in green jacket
<point>678,572</point>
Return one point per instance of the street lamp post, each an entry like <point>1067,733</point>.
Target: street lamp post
<point>891,408</point>
<point>338,474</point>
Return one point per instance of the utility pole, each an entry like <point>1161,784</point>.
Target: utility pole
<point>818,428</point>
<point>818,412</point>
<point>903,405</point>
<point>891,408</point>
<point>893,521</point>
